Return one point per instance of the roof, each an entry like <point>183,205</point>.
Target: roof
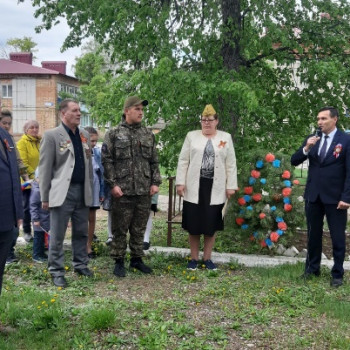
<point>13,67</point>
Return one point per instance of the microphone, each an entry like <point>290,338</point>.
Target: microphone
<point>318,132</point>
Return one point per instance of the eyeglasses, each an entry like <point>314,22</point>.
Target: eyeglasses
<point>207,120</point>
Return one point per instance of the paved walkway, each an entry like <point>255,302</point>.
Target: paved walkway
<point>246,260</point>
<point>224,258</point>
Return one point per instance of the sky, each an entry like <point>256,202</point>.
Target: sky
<point>17,21</point>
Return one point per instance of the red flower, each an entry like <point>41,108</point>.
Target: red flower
<point>288,207</point>
<point>296,182</point>
<point>263,244</point>
<point>239,221</point>
<point>7,145</point>
<point>282,226</point>
<point>274,236</point>
<point>83,138</point>
<point>286,175</point>
<point>262,215</point>
<point>270,157</point>
<point>241,201</point>
<point>257,197</point>
<point>286,192</point>
<point>248,190</point>
<point>255,174</point>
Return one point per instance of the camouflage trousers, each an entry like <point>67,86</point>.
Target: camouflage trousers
<point>129,213</point>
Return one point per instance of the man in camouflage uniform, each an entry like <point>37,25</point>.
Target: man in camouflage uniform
<point>131,169</point>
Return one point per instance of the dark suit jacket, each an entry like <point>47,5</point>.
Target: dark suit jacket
<point>11,208</point>
<point>329,179</point>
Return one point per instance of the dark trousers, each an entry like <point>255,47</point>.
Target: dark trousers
<point>6,239</point>
<point>72,208</point>
<point>129,213</point>
<point>11,253</point>
<point>27,224</point>
<point>336,219</point>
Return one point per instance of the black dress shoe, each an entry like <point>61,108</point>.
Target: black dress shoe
<point>84,272</point>
<point>336,282</point>
<point>59,281</point>
<point>146,245</point>
<point>92,255</point>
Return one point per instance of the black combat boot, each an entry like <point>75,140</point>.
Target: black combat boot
<point>119,269</point>
<point>138,264</point>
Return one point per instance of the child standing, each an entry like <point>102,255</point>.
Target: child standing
<point>41,221</point>
<point>97,188</point>
<point>154,209</point>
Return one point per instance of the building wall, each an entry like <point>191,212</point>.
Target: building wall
<point>35,97</point>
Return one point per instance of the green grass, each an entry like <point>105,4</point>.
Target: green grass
<point>301,175</point>
<point>268,308</point>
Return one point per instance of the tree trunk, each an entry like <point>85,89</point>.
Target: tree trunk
<point>232,27</point>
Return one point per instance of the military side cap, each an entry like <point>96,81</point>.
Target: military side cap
<point>208,111</point>
<point>134,101</point>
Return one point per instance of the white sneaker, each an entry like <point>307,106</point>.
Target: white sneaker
<point>27,237</point>
<point>109,241</point>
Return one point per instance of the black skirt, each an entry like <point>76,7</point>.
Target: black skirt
<point>202,218</point>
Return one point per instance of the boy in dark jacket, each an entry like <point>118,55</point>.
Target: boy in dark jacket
<point>41,222</point>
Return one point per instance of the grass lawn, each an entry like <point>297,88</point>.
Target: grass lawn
<point>232,308</point>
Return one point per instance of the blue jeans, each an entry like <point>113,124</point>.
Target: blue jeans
<point>39,245</point>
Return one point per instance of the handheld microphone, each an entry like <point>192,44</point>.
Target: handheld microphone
<point>318,132</point>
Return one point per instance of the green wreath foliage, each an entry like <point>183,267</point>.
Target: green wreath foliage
<point>276,216</point>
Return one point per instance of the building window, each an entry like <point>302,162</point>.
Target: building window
<point>69,89</point>
<point>6,91</point>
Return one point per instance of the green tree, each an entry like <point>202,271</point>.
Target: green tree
<point>266,65</point>
<point>25,44</point>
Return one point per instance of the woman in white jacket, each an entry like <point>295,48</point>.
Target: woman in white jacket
<point>206,176</point>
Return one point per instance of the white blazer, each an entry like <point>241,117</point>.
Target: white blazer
<point>190,162</point>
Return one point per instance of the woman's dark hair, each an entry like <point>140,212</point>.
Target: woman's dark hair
<point>5,113</point>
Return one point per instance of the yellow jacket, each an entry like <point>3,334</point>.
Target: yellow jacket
<point>28,147</point>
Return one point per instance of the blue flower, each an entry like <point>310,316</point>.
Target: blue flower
<point>287,183</point>
<point>276,163</point>
<point>280,232</point>
<point>286,200</point>
<point>244,226</point>
<point>247,198</point>
<point>252,180</point>
<point>263,181</point>
<point>273,208</point>
<point>268,242</point>
<point>279,219</point>
<point>259,164</point>
<point>249,207</point>
<point>255,234</point>
<point>241,212</point>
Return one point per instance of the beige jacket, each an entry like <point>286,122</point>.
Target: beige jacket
<point>56,166</point>
<point>190,162</point>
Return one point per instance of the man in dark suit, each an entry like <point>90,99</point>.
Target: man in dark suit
<point>327,191</point>
<point>11,209</point>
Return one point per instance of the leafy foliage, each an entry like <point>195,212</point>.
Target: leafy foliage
<point>266,66</point>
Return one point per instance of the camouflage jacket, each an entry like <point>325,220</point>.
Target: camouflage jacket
<point>130,159</point>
